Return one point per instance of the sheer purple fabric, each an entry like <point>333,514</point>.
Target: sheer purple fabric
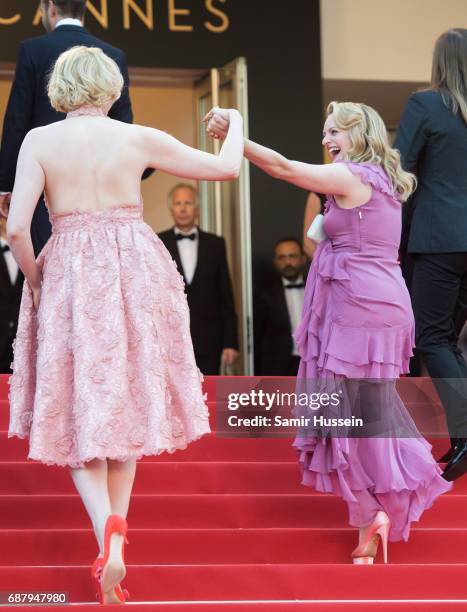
<point>358,324</point>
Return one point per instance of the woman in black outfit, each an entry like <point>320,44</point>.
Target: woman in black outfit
<point>432,139</point>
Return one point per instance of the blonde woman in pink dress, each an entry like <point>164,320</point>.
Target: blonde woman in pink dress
<point>104,370</point>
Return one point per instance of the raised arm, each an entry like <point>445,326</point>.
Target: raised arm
<point>324,178</point>
<point>166,153</point>
<point>29,184</point>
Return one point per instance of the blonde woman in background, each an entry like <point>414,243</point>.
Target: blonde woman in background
<point>357,329</point>
<point>104,370</point>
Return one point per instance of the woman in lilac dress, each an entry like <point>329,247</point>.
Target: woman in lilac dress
<point>357,328</point>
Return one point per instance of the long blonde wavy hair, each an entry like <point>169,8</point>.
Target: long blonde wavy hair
<point>369,140</point>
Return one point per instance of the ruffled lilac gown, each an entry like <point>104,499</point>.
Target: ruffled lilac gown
<point>358,324</point>
<point>105,368</point>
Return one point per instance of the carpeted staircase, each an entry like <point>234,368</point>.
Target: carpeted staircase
<point>223,526</point>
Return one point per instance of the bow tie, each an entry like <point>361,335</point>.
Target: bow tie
<point>187,236</point>
<point>295,286</point>
<point>5,248</point>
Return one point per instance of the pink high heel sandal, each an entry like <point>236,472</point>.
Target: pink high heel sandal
<point>365,552</point>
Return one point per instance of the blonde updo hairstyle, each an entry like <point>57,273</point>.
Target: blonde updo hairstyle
<point>369,143</point>
<point>84,75</point>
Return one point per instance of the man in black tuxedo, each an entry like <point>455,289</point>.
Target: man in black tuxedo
<point>11,285</point>
<point>29,106</point>
<point>278,309</point>
<point>201,259</point>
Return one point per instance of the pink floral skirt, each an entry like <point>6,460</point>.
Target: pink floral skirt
<point>105,368</point>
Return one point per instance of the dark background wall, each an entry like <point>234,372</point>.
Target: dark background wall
<point>281,42</point>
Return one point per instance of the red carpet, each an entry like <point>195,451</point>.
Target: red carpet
<point>223,526</point>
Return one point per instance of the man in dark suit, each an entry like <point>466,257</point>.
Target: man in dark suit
<point>11,285</point>
<point>201,259</point>
<point>278,309</point>
<point>29,106</point>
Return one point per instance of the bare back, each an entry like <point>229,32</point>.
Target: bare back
<point>91,163</point>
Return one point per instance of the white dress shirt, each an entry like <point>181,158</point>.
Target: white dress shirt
<point>188,251</point>
<point>11,264</point>
<point>294,299</point>
<point>68,21</point>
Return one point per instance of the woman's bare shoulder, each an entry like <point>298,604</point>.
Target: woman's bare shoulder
<point>35,137</point>
<point>151,135</point>
<point>148,131</point>
<point>43,133</point>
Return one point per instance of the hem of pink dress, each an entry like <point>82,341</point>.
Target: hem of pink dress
<point>80,463</point>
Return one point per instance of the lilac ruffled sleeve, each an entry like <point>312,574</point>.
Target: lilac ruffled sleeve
<point>372,174</point>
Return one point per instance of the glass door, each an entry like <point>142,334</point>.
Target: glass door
<point>225,206</point>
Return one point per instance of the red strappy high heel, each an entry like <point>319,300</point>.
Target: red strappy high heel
<point>112,564</point>
<point>96,572</point>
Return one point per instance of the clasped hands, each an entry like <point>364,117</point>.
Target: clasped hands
<point>217,122</point>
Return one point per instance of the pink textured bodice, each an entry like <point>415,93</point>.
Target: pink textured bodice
<point>94,220</point>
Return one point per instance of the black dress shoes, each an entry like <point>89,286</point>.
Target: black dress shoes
<point>450,453</point>
<point>457,466</point>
